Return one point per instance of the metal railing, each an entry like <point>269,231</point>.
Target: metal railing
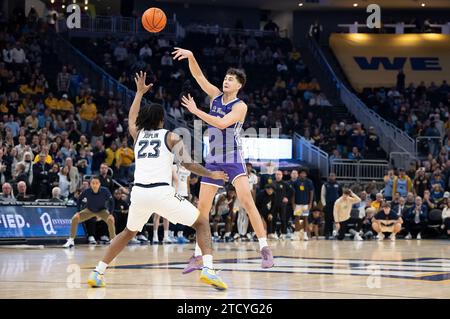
<point>359,171</point>
<point>215,29</point>
<point>118,25</point>
<point>428,145</point>
<point>392,139</point>
<point>401,159</point>
<point>305,151</point>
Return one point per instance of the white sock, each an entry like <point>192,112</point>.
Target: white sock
<point>216,234</point>
<point>208,261</point>
<point>227,234</point>
<point>262,243</point>
<point>198,251</point>
<point>171,233</point>
<point>180,233</point>
<point>155,234</point>
<point>101,267</point>
<point>166,234</point>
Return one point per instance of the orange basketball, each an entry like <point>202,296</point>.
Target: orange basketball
<point>154,20</point>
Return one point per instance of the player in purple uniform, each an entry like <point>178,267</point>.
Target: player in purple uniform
<point>225,119</point>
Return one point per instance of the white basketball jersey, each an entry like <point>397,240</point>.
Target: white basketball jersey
<point>183,175</point>
<point>153,159</point>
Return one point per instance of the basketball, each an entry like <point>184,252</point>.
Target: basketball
<point>154,20</point>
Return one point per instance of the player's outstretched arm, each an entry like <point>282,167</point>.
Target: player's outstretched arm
<point>141,89</point>
<point>207,87</point>
<point>176,144</point>
<point>237,113</point>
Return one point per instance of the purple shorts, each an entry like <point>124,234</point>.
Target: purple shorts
<point>233,170</point>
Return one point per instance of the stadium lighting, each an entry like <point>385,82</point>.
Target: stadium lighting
<point>52,1</point>
<point>422,4</point>
<point>63,6</point>
<point>300,4</point>
<point>355,5</point>
<point>85,8</point>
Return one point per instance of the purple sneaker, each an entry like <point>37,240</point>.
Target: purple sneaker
<point>195,263</point>
<point>267,258</point>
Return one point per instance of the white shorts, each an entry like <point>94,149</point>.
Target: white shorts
<point>301,210</point>
<point>163,201</point>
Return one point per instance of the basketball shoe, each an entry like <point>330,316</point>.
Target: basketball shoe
<point>209,277</point>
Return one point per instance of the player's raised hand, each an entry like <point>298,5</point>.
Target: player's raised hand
<point>180,54</point>
<point>139,79</point>
<point>189,103</point>
<point>219,175</point>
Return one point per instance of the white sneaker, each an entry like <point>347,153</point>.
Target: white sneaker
<point>380,236</point>
<point>155,240</point>
<point>295,236</point>
<point>408,237</point>
<point>142,238</point>
<point>134,241</point>
<point>392,237</point>
<point>358,237</point>
<point>92,241</point>
<point>70,243</point>
<point>272,236</point>
<point>419,237</point>
<point>283,237</point>
<point>167,240</point>
<point>335,233</point>
<point>305,236</point>
<point>104,238</point>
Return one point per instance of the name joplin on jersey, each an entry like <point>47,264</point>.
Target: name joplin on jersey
<point>223,142</point>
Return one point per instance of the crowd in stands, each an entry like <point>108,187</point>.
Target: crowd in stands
<point>420,110</point>
<point>57,128</point>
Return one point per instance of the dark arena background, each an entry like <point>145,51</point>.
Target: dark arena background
<point>346,147</point>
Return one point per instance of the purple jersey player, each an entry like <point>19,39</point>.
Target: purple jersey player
<point>225,119</point>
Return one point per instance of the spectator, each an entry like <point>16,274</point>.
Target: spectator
<point>386,221</point>
<point>7,193</point>
<point>402,183</point>
<point>302,202</point>
<point>88,112</point>
<point>400,81</point>
<point>283,193</point>
<point>22,195</point>
<point>330,192</point>
<point>446,219</point>
<point>271,26</point>
<point>41,182</point>
<point>64,182</point>
<point>372,145</point>
<point>64,105</point>
<point>367,223</point>
<point>421,182</point>
<point>401,209</point>
<point>416,220</point>
<point>315,30</point>
<point>314,221</point>
<point>266,207</point>
<point>120,211</point>
<point>341,211</point>
<point>73,175</point>
<point>355,154</point>
<point>63,81</point>
<point>56,195</point>
<point>124,159</point>
<point>105,180</point>
<point>389,184</point>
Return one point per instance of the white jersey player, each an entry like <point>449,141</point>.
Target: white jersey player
<point>155,150</point>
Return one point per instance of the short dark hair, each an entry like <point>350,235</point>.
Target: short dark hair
<point>347,192</point>
<point>239,74</point>
<point>97,177</point>
<point>150,116</point>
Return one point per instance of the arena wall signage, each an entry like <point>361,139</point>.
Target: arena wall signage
<point>36,221</point>
<point>373,60</point>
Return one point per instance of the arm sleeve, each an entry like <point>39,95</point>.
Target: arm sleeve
<point>109,201</point>
<point>80,200</point>
<point>323,193</point>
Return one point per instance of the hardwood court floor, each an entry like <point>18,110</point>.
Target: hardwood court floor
<point>314,269</point>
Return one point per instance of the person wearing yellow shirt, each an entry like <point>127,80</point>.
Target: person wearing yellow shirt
<point>88,112</point>
<point>4,106</point>
<point>27,88</point>
<point>111,154</point>
<point>51,102</point>
<point>65,105</point>
<point>124,160</point>
<point>302,85</point>
<point>376,204</point>
<point>48,159</point>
